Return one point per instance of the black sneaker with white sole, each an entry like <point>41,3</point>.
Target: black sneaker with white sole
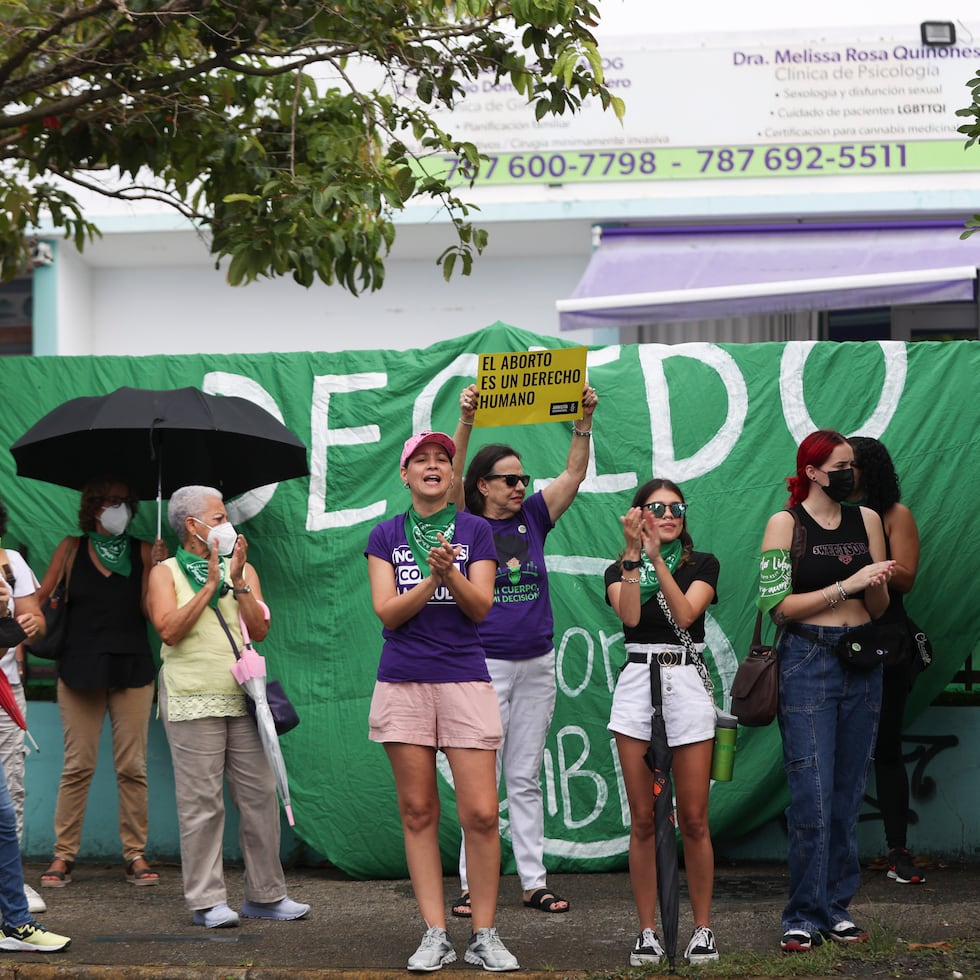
<point>647,949</point>
<point>799,941</point>
<point>902,869</point>
<point>846,932</point>
<point>701,948</point>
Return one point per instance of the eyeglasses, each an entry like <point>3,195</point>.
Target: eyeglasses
<point>511,479</point>
<point>658,508</point>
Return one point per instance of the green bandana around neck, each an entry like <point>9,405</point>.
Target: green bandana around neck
<point>649,584</point>
<point>113,551</point>
<point>195,570</point>
<point>422,532</point>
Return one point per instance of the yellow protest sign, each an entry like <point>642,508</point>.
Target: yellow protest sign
<point>530,386</point>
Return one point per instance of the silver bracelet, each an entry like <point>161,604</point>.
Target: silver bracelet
<point>831,601</point>
<point>630,581</point>
<point>463,421</point>
<point>587,434</point>
<point>843,594</point>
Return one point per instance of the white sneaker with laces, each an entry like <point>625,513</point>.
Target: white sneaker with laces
<point>647,949</point>
<point>434,952</point>
<point>35,903</point>
<point>487,949</point>
<point>701,948</point>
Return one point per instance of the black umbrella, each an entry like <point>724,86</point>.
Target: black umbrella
<point>160,440</point>
<point>659,758</point>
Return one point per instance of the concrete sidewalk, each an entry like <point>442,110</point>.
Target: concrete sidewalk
<point>369,929</point>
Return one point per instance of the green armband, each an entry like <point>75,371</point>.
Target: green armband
<point>775,578</point>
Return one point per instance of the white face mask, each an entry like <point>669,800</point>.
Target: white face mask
<point>225,534</point>
<point>116,519</point>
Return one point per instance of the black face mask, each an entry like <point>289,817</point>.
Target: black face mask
<point>840,485</point>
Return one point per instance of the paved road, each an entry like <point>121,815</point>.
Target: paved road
<point>369,928</point>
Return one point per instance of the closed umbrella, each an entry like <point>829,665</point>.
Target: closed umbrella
<point>249,670</point>
<point>158,440</point>
<point>659,758</point>
<point>8,702</point>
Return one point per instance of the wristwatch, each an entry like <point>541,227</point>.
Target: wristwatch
<point>628,565</point>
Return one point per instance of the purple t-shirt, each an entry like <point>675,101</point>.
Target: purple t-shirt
<point>520,624</point>
<point>439,644</point>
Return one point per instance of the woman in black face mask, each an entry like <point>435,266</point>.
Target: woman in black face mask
<point>823,572</point>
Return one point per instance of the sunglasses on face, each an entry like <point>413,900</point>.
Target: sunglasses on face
<point>511,479</point>
<point>658,508</point>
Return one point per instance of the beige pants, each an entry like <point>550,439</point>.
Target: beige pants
<point>205,752</point>
<point>82,715</point>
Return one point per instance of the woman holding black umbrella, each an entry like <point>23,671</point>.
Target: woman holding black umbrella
<point>661,583</point>
<point>106,666</point>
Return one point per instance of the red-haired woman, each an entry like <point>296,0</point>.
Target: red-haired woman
<point>828,712</point>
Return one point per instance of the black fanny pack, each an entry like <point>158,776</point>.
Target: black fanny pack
<point>862,648</point>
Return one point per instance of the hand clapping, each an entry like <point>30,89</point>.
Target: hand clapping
<point>442,558</point>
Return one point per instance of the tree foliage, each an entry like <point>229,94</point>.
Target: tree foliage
<point>972,131</point>
<point>247,117</point>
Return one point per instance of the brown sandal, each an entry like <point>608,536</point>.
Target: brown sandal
<point>56,878</point>
<point>139,872</point>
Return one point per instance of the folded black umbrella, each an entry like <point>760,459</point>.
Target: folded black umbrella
<point>659,758</point>
<point>160,440</point>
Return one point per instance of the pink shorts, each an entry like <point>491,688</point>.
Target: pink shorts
<point>454,716</point>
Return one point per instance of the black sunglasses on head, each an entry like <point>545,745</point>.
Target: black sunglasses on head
<point>658,508</point>
<point>511,479</point>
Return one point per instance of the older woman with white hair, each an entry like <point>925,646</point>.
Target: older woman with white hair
<point>195,601</point>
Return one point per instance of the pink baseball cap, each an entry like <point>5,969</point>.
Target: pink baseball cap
<point>439,438</point>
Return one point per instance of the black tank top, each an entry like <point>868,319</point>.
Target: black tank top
<point>830,555</point>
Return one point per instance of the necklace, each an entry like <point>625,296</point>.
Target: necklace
<point>827,522</point>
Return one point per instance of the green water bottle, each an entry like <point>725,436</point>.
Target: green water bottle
<point>723,757</point>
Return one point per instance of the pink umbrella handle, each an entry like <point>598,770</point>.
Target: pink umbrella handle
<point>246,639</point>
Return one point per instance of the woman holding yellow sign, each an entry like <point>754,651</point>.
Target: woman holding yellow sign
<point>522,670</point>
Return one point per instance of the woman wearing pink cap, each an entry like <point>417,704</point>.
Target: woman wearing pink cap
<point>432,571</point>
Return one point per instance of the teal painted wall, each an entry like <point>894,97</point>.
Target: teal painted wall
<point>100,833</point>
<point>940,748</point>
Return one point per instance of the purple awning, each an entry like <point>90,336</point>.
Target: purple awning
<point>641,276</point>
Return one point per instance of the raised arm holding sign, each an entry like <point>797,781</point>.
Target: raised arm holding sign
<point>517,634</point>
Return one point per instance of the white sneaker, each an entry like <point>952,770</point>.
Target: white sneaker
<point>647,949</point>
<point>35,903</point>
<point>487,949</point>
<point>434,952</point>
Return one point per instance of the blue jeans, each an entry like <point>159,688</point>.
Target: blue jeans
<point>13,902</point>
<point>828,718</point>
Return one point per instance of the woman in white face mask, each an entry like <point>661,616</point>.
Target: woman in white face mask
<point>195,601</point>
<point>106,666</point>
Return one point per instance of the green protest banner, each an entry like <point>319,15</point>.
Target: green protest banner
<point>722,420</point>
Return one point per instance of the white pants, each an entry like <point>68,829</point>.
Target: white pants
<point>526,695</point>
<point>12,754</point>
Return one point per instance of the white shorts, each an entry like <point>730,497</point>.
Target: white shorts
<point>689,714</point>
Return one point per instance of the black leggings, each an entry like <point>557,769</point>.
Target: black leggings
<point>891,777</point>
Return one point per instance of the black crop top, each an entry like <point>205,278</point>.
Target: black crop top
<point>830,555</point>
<point>701,566</point>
